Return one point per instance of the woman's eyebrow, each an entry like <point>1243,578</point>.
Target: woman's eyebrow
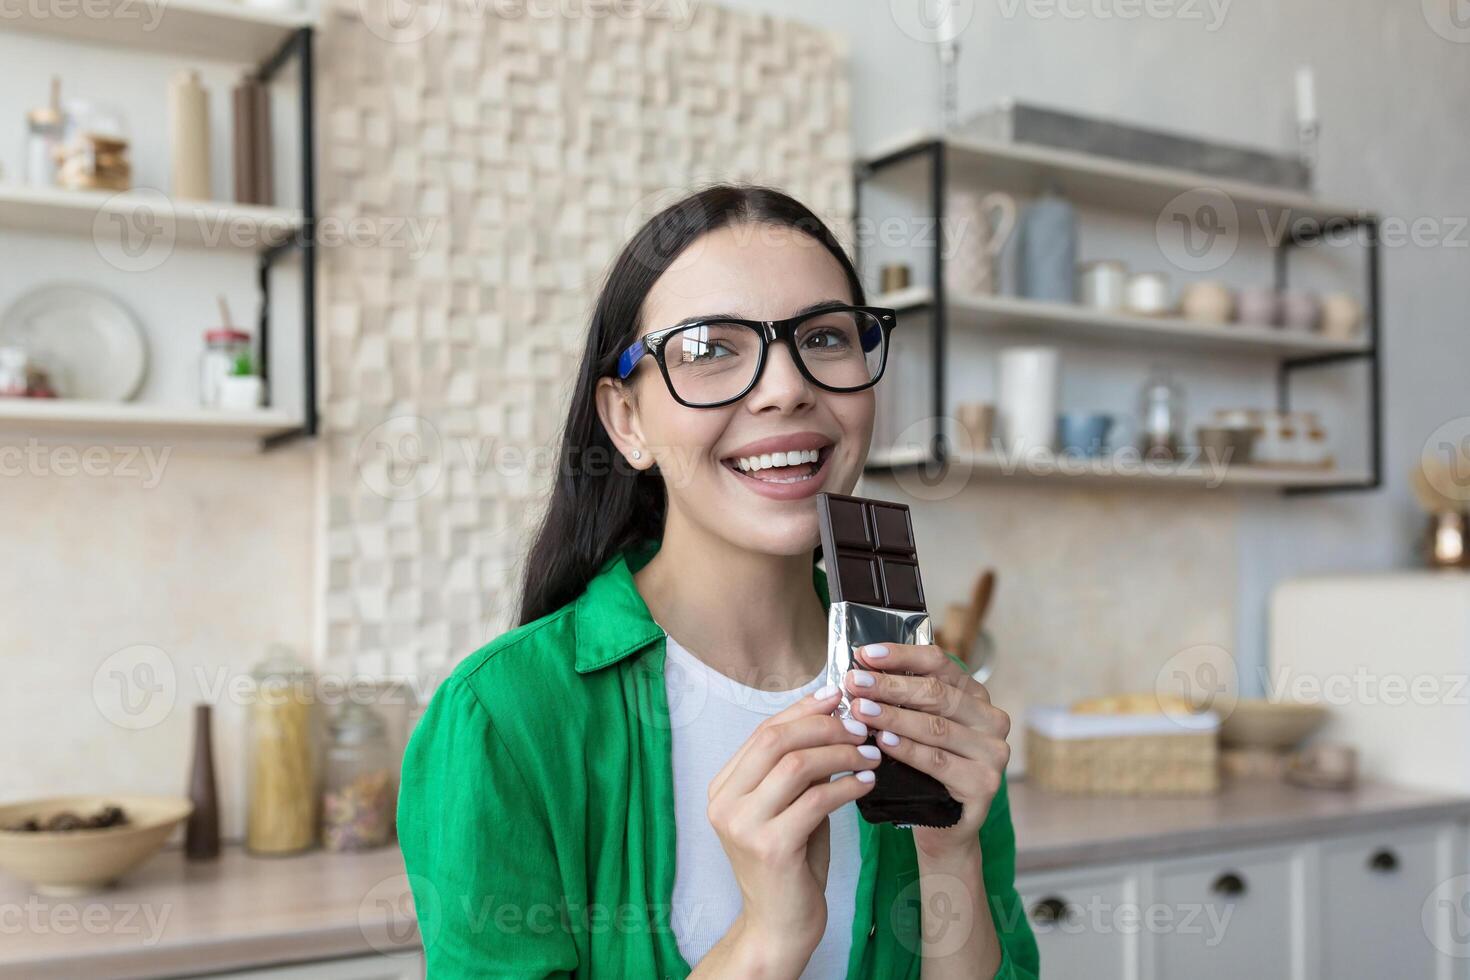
<point>820,304</point>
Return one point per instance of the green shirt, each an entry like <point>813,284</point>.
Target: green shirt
<point>536,814</point>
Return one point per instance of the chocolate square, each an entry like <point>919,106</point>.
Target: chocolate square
<point>859,577</point>
<point>901,588</point>
<point>891,529</point>
<point>849,525</point>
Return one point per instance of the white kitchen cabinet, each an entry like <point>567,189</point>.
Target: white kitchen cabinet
<point>1229,915</point>
<point>1365,906</point>
<point>1083,922</point>
<point>1374,889</point>
<point>399,966</point>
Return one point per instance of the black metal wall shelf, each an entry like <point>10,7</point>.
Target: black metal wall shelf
<point>1115,184</point>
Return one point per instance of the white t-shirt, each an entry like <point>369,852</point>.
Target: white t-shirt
<point>711,717</point>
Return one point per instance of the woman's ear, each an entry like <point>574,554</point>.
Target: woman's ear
<point>618,410</point>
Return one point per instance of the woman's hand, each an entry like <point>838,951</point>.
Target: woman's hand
<point>941,722</point>
<point>769,806</point>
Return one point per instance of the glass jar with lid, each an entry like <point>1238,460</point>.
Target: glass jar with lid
<point>1161,416</point>
<point>225,348</point>
<point>357,786</point>
<point>281,757</point>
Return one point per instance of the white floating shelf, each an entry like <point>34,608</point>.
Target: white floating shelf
<point>60,417</point>
<point>1123,470</point>
<point>216,29</point>
<point>1119,329</point>
<point>103,216</point>
<point>1100,181</point>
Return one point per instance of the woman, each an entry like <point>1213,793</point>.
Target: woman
<point>643,779</point>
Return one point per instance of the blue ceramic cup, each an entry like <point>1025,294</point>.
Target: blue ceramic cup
<point>1084,433</point>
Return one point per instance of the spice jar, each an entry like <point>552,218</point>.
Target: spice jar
<point>357,787</point>
<point>281,758</point>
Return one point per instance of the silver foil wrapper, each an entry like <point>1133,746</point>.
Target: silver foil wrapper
<point>851,625</point>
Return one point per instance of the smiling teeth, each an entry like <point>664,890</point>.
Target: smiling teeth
<point>767,461</point>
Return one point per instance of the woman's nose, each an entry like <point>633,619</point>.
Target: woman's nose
<point>781,383</point>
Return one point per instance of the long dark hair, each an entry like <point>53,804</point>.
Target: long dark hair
<point>599,504</point>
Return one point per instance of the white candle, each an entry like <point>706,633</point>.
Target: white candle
<point>1306,97</point>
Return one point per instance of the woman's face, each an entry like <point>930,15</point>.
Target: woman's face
<point>758,272</point>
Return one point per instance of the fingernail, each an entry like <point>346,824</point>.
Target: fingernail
<point>888,738</point>
<point>877,651</point>
<point>825,692</point>
<point>868,707</point>
<point>855,726</point>
<point>870,751</point>
<point>865,775</point>
<point>862,678</point>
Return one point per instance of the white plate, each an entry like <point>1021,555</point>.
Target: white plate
<point>90,339</point>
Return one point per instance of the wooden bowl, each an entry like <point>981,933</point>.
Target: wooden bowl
<point>1256,723</point>
<point>74,862</point>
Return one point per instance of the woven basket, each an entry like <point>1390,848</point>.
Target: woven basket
<point>1177,763</point>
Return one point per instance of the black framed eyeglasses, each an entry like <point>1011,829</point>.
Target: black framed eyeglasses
<point>713,362</point>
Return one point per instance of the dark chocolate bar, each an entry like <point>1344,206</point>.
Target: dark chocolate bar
<point>877,594</point>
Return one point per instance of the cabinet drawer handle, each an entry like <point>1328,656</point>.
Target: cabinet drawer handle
<point>1049,909</point>
<point>1384,860</point>
<point>1230,884</point>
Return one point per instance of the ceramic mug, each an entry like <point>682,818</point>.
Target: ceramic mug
<point>1101,284</point>
<point>1258,306</point>
<point>1342,316</point>
<point>1207,302</point>
<point>1300,309</point>
<point>984,226</point>
<point>1084,433</point>
<point>978,421</point>
<point>1147,294</point>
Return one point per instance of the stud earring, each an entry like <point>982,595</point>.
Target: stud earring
<point>637,454</point>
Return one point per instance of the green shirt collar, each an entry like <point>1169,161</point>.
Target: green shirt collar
<point>612,620</point>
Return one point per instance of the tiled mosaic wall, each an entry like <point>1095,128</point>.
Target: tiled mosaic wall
<point>484,162</point>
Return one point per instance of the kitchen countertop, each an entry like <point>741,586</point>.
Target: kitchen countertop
<point>1059,831</point>
<point>172,917</point>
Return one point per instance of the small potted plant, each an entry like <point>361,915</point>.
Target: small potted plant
<point>242,389</point>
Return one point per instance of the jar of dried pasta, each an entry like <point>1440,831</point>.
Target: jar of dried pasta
<point>357,783</point>
<point>281,757</point>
